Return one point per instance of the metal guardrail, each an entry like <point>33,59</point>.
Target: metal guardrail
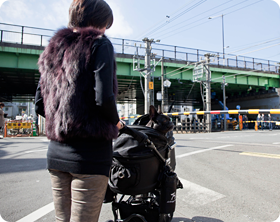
<point>38,36</point>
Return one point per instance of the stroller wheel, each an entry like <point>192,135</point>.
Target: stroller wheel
<point>165,217</point>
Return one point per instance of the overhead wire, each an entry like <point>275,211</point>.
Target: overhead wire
<point>209,15</point>
<point>236,74</point>
<point>232,56</point>
<point>259,49</point>
<point>162,20</point>
<point>181,68</point>
<point>242,50</point>
<point>196,16</point>
<point>204,105</point>
<point>261,41</point>
<point>274,55</point>
<point>238,50</point>
<point>176,17</point>
<point>141,84</point>
<point>196,63</point>
<point>210,20</point>
<point>190,91</point>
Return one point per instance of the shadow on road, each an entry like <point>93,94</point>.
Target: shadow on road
<point>22,165</point>
<point>196,219</point>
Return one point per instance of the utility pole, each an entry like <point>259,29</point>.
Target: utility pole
<point>149,85</point>
<point>162,86</point>
<point>207,92</point>
<point>147,72</point>
<point>224,97</point>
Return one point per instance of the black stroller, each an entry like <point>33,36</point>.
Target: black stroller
<point>142,174</point>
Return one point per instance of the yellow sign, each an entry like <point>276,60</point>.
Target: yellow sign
<point>24,125</point>
<point>9,126</point>
<point>151,85</point>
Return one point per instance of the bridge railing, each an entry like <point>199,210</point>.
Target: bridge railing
<point>37,36</point>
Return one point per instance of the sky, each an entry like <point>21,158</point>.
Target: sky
<point>251,27</point>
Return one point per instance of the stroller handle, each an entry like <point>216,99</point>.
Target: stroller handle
<point>139,136</point>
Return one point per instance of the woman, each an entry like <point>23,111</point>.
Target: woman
<point>76,94</point>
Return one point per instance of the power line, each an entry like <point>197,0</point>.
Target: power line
<point>198,15</point>
<point>259,49</point>
<point>208,16</point>
<point>274,55</point>
<point>236,47</point>
<point>210,20</point>
<point>205,18</point>
<point>188,3</point>
<point>253,46</point>
<point>181,68</point>
<point>202,62</point>
<point>177,16</point>
<point>232,56</point>
<point>190,91</point>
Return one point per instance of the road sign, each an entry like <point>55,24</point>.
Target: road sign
<point>198,73</point>
<point>151,85</point>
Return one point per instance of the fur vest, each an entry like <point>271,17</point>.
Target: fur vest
<point>67,87</point>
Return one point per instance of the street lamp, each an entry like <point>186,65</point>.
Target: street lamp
<point>222,31</point>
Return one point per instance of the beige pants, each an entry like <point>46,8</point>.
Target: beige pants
<point>77,197</point>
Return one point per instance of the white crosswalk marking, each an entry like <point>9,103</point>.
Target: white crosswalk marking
<point>38,213</point>
<point>201,151</point>
<point>196,195</point>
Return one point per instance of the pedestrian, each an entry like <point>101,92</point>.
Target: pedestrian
<point>270,122</point>
<point>262,121</point>
<point>2,120</point>
<point>76,94</point>
<point>245,119</point>
<point>36,120</point>
<point>258,120</point>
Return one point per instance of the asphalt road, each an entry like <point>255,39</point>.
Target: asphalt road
<point>231,177</point>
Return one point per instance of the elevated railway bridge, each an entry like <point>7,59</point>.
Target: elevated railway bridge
<point>252,82</point>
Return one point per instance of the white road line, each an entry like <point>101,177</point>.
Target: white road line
<point>34,151</point>
<point>1,219</point>
<point>199,138</point>
<point>201,151</point>
<point>45,140</point>
<point>276,143</point>
<point>196,195</point>
<point>38,213</point>
<point>239,143</point>
<point>192,194</point>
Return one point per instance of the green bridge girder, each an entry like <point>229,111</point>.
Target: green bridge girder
<point>19,76</point>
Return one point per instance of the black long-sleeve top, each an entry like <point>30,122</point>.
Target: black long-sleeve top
<point>88,156</point>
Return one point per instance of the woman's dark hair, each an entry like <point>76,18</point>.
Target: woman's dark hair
<point>95,13</point>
